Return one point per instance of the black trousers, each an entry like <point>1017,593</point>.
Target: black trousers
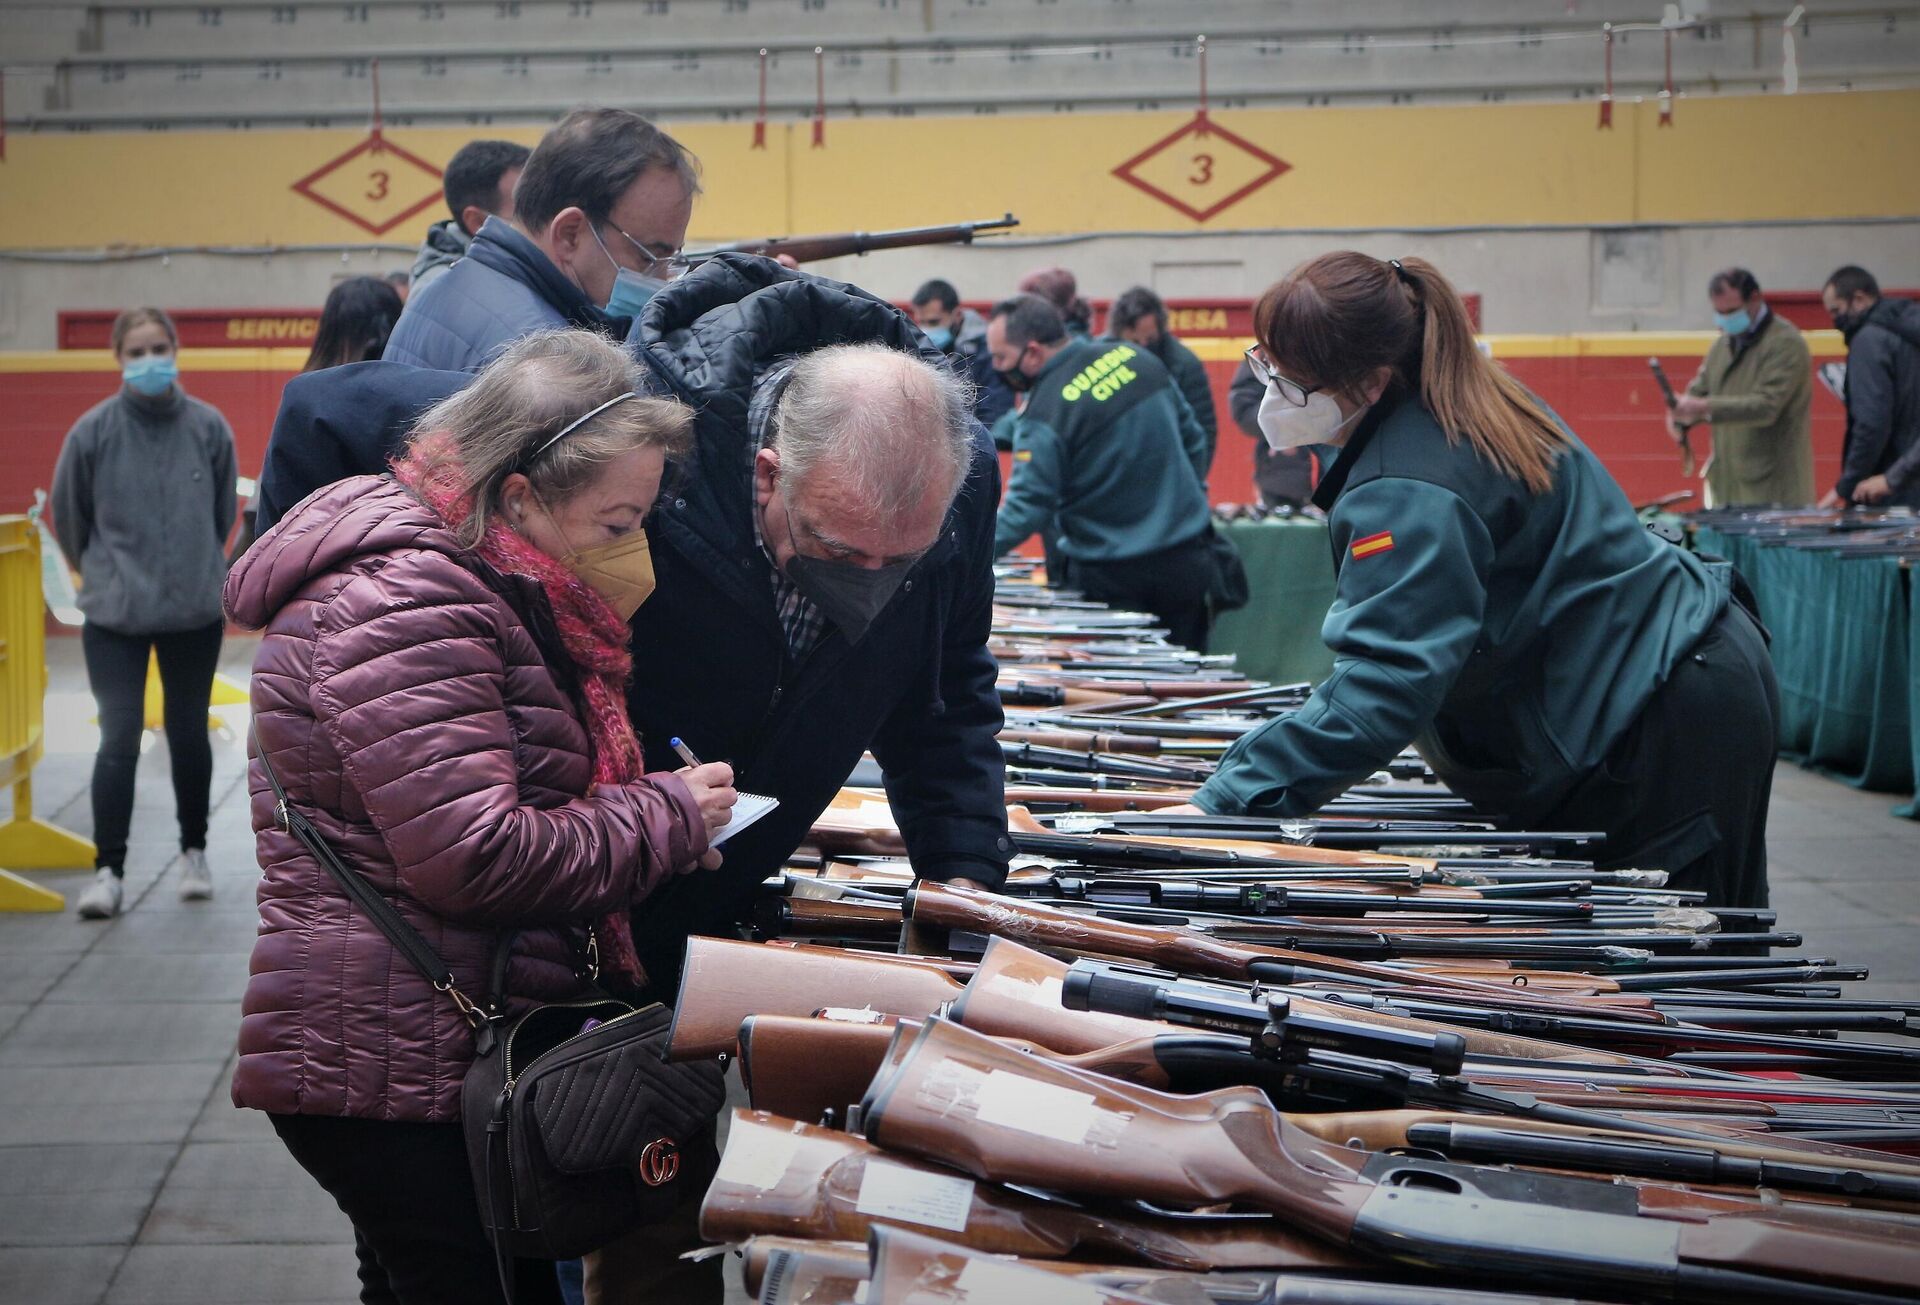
<point>416,1221</point>
<point>1171,584</point>
<point>1686,789</point>
<point>117,673</point>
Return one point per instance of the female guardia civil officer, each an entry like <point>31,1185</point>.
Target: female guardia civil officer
<point>1499,604</point>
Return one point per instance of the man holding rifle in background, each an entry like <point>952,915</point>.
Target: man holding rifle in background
<point>1755,389</point>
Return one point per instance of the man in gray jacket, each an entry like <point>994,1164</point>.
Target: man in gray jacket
<point>478,184</point>
<point>1880,460</point>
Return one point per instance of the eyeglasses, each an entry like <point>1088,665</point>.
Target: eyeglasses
<point>666,268</point>
<point>1289,391</point>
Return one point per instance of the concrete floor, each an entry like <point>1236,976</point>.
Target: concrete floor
<point>128,1177</point>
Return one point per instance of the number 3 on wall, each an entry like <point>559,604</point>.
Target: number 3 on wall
<point>1203,164</point>
<point>382,181</point>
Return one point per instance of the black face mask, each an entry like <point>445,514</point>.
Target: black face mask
<point>1848,324</point>
<point>1014,379</point>
<point>852,597</point>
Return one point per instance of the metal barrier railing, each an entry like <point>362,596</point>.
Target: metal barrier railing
<point>26,840</point>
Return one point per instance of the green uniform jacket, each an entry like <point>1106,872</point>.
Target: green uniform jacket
<point>1190,378</point>
<point>1107,451</point>
<point>1759,401</point>
<point>1511,637</point>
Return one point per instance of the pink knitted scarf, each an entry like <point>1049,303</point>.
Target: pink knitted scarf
<point>594,636</point>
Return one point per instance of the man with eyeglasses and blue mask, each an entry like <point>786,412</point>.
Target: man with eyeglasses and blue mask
<point>600,215</point>
<point>1755,390</point>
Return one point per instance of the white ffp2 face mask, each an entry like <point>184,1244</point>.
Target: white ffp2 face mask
<point>1289,427</point>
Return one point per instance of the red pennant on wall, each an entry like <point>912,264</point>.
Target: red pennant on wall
<point>1666,92</point>
<point>1606,90</point>
<point>819,97</point>
<point>760,120</point>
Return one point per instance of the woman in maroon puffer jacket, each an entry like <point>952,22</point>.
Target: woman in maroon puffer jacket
<point>441,689</point>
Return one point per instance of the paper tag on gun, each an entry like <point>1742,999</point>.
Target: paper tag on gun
<point>760,1166</point>
<point>930,1200</point>
<point>1031,1106</point>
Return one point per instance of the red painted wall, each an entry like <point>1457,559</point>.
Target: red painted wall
<point>1611,402</point>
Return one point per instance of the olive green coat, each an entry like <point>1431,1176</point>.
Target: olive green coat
<point>1759,402</point>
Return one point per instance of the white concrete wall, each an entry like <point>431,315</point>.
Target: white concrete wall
<point>1552,281</point>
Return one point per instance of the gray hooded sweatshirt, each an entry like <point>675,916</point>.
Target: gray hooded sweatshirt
<point>143,498</point>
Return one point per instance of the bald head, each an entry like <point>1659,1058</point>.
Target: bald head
<point>889,428</point>
<point>867,449</point>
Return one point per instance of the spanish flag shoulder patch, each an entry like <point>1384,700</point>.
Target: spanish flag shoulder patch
<point>1372,544</point>
<point>1023,455</point>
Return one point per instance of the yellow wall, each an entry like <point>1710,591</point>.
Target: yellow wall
<point>1742,159</point>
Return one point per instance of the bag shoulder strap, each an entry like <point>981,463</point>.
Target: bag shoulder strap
<point>418,951</point>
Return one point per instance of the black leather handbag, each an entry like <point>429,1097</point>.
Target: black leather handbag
<point>574,1118</point>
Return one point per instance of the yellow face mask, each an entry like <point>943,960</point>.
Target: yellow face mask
<point>620,571</point>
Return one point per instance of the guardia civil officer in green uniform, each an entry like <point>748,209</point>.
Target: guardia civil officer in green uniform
<point>1499,604</point>
<point>1107,451</point>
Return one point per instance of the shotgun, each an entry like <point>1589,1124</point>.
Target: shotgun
<point>784,1178</point>
<point>963,1099</point>
<point>808,249</point>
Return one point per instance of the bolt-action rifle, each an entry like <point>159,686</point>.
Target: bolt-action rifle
<point>839,244</point>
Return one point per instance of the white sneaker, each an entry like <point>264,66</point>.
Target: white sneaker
<point>101,901</point>
<point>196,882</point>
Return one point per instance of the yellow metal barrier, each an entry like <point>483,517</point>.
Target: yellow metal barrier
<point>25,840</point>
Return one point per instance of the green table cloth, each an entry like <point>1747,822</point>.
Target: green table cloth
<point>1846,652</point>
<point>1276,636</point>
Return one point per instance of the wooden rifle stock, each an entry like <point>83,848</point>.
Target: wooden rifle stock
<point>792,1179</point>
<point>723,982</point>
<point>808,249</point>
<point>963,1099</point>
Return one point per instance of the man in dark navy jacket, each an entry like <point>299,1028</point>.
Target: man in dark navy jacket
<point>823,586</point>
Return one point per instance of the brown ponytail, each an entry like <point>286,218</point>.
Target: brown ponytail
<point>1334,320</point>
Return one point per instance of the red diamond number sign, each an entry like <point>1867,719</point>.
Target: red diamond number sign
<point>376,185</point>
<point>1202,169</point>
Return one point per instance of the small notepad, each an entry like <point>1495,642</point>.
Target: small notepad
<point>747,811</point>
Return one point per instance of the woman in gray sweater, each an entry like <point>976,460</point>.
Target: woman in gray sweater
<point>143,498</point>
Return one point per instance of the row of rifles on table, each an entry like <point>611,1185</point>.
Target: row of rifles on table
<point>1852,532</point>
<point>1390,1054</point>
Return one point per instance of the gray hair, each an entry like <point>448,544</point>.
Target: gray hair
<point>528,394</point>
<point>888,425</point>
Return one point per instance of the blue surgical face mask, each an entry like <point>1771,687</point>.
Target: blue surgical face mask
<point>152,375</point>
<point>630,289</point>
<point>941,336</point>
<point>1734,323</point>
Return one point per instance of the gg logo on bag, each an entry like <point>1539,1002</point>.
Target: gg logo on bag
<point>660,1162</point>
